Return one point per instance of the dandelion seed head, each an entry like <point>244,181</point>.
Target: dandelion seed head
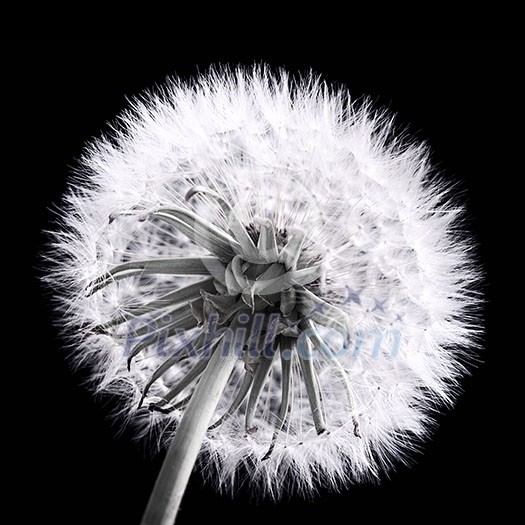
<point>291,205</point>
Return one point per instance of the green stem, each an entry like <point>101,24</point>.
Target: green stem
<point>185,446</point>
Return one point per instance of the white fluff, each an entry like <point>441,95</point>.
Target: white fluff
<point>386,230</point>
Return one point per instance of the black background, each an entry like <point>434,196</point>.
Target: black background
<point>463,97</point>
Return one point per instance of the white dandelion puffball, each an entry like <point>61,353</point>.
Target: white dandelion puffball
<point>265,265</point>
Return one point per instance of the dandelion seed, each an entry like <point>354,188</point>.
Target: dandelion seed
<point>267,278</point>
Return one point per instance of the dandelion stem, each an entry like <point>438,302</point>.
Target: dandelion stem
<point>185,446</point>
